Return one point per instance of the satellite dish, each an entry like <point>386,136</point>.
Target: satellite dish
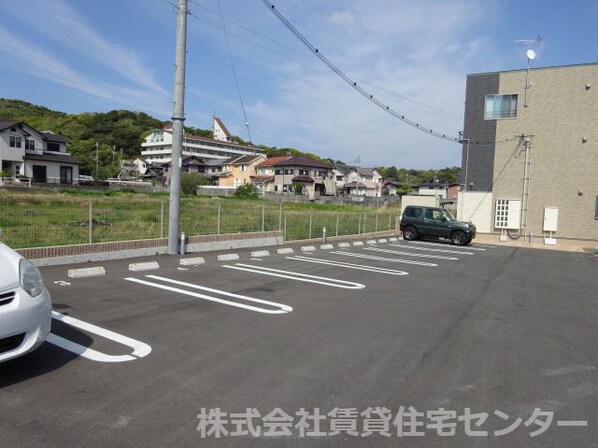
<point>531,54</point>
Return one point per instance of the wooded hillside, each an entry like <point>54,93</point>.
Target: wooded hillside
<point>119,134</point>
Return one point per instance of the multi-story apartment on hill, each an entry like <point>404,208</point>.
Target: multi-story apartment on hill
<point>157,146</point>
<point>530,152</point>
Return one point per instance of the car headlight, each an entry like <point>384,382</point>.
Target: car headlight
<point>31,278</point>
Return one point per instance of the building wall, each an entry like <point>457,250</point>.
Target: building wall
<point>560,113</point>
<point>476,206</point>
<point>52,170</point>
<point>237,176</point>
<point>9,153</point>
<point>477,132</point>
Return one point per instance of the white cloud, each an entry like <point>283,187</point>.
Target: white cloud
<point>418,49</point>
<point>344,18</point>
<point>62,24</point>
<point>39,63</point>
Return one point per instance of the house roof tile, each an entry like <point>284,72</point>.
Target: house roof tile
<point>273,160</point>
<point>302,161</point>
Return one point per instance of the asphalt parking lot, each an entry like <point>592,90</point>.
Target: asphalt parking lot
<point>387,344</point>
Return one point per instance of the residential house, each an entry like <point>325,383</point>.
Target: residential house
<point>530,151</point>
<point>452,190</point>
<point>264,177</point>
<point>210,168</point>
<point>240,170</point>
<point>364,182</point>
<point>301,173</point>
<point>392,186</point>
<point>38,155</point>
<point>438,189</point>
<point>340,176</point>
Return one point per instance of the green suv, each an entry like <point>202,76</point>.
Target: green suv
<point>418,221</point>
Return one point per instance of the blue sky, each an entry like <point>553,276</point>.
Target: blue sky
<point>94,56</point>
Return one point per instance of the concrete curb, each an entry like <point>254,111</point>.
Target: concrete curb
<point>86,272</point>
<point>145,266</point>
<point>228,257</point>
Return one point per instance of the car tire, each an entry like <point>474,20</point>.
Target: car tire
<point>410,233</point>
<point>458,238</point>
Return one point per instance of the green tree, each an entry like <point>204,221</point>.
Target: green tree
<point>190,182</point>
<point>247,191</point>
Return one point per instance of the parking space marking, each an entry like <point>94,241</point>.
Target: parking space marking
<point>296,276</point>
<point>410,254</point>
<point>445,251</point>
<point>343,264</point>
<point>140,349</point>
<point>281,308</point>
<point>428,243</point>
<point>390,260</point>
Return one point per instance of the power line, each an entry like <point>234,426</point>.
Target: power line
<point>350,81</point>
<point>232,62</point>
<point>286,55</point>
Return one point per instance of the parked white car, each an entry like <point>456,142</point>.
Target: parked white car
<point>25,305</point>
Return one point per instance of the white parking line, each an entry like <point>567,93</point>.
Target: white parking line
<point>296,276</point>
<point>343,264</point>
<point>428,243</point>
<point>282,309</point>
<point>417,247</point>
<point>140,349</point>
<point>390,260</point>
<point>410,254</point>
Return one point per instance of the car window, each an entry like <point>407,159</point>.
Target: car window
<point>413,212</point>
<point>448,215</point>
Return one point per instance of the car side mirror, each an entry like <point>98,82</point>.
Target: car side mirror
<point>443,218</point>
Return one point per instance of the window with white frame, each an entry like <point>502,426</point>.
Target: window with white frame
<point>30,144</point>
<point>500,106</point>
<point>14,141</point>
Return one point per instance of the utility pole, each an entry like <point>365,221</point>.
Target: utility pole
<point>178,117</point>
<point>97,161</point>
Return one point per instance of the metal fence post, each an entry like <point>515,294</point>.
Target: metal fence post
<point>359,226</point>
<point>376,229</point>
<point>162,219</point>
<point>280,218</point>
<point>364,220</point>
<point>310,224</point>
<point>389,221</point>
<point>337,223</point>
<point>90,222</point>
<point>218,220</point>
<point>264,218</point>
<point>284,233</point>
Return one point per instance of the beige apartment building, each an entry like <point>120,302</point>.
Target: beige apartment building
<point>530,152</point>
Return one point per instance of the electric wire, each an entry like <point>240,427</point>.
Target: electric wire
<point>350,81</point>
<point>232,62</point>
<point>337,71</point>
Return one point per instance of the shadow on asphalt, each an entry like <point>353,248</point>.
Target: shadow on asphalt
<point>46,358</point>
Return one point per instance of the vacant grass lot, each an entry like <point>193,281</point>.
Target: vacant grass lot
<point>38,218</point>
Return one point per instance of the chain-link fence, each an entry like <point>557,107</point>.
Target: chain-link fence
<point>55,220</point>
